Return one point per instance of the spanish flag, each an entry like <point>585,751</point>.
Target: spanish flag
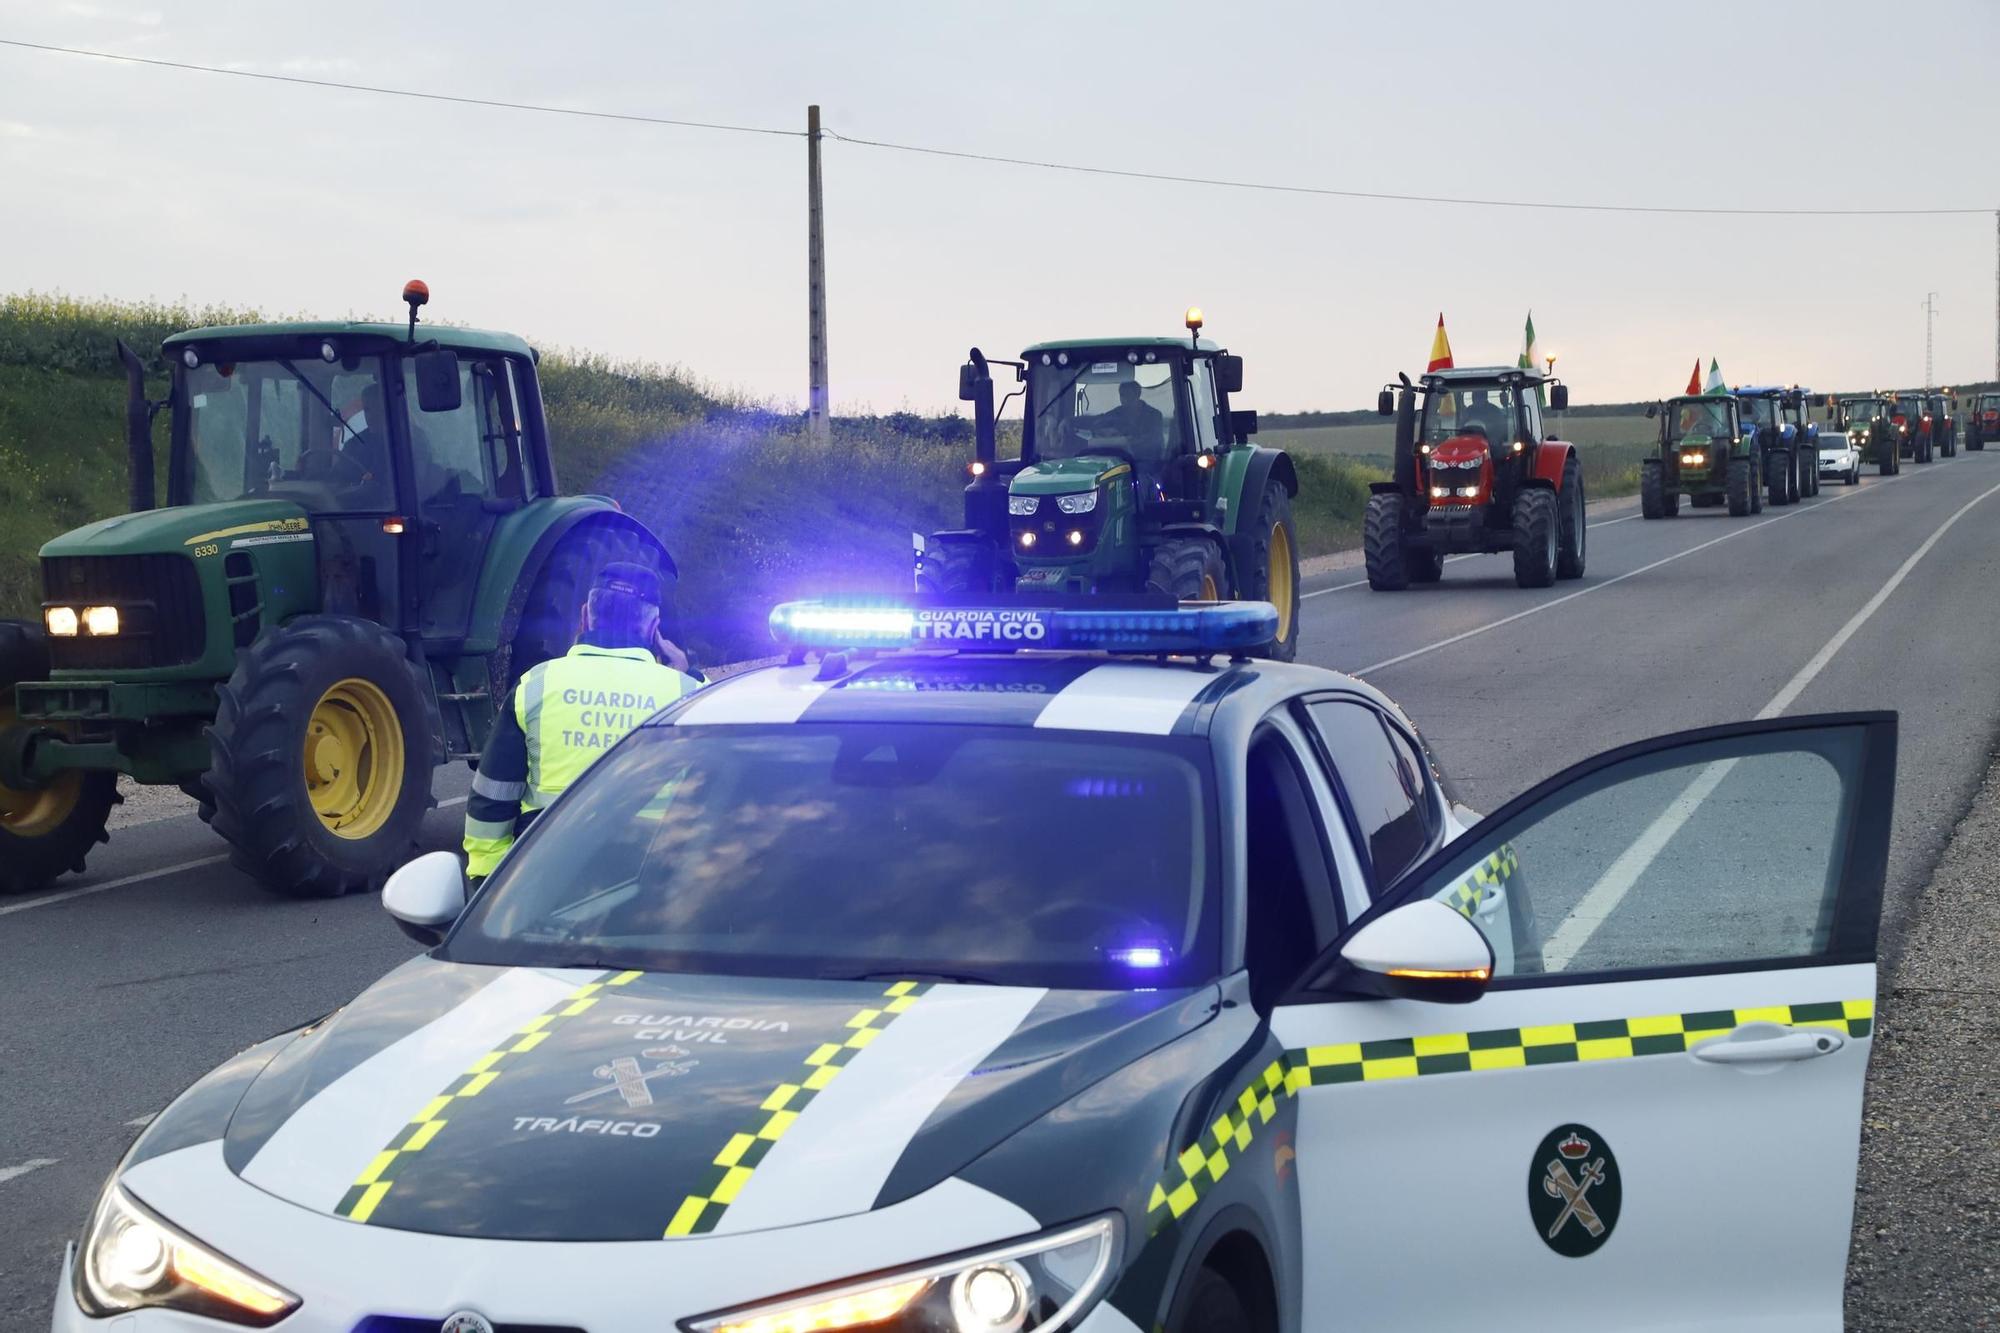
<point>1694,379</point>
<point>1440,349</point>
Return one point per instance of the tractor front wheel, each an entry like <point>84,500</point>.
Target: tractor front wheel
<point>1575,533</point>
<point>1742,486</point>
<point>1272,574</point>
<point>1537,538</point>
<point>320,757</point>
<point>1652,490</point>
<point>951,569</point>
<point>48,830</point>
<point>1383,550</point>
<point>1778,479</point>
<point>1188,570</point>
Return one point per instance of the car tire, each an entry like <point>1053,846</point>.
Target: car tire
<point>1574,538</point>
<point>1210,1304</point>
<point>1537,538</point>
<point>1742,486</point>
<point>1383,551</point>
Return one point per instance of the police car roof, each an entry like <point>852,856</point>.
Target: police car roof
<point>1095,692</point>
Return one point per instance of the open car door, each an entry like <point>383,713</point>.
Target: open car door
<point>1651,1115</point>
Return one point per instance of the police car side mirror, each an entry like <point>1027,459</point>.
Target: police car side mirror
<point>426,896</point>
<point>1419,951</point>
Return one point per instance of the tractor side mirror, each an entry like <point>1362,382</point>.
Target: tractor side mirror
<point>1229,374</point>
<point>970,379</point>
<point>437,380</point>
<point>1559,398</point>
<point>1652,410</point>
<point>1385,403</point>
<point>1242,425</point>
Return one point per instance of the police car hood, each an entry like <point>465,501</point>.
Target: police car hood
<point>562,1104</point>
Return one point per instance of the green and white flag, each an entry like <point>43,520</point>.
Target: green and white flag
<point>1715,384</point>
<point>1531,356</point>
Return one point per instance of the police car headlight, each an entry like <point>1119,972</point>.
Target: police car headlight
<point>1021,506</point>
<point>1040,1285</point>
<point>133,1260</point>
<point>1081,503</point>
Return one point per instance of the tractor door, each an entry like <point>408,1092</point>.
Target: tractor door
<point>467,468</point>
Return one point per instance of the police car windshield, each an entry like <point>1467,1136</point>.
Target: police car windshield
<point>1004,854</point>
<point>306,431</point>
<point>1102,400</point>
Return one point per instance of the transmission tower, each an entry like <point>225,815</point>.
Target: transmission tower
<point>1930,313</point>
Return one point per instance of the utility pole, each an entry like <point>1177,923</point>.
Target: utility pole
<point>1930,313</point>
<point>1996,296</point>
<point>819,426</point>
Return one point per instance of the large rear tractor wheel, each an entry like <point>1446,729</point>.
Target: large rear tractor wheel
<point>1652,490</point>
<point>1537,538</point>
<point>1272,574</point>
<point>1188,569</point>
<point>552,614</point>
<point>48,830</point>
<point>320,758</point>
<point>1383,549</point>
<point>952,569</point>
<point>1575,534</point>
<point>1742,487</point>
<point>1778,479</point>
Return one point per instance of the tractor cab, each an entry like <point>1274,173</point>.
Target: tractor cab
<point>1135,475</point>
<point>1854,413</point>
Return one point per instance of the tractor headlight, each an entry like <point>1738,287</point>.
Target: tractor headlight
<point>100,620</point>
<point>1020,506</point>
<point>133,1260</point>
<point>61,621</point>
<point>1081,503</point>
<point>1043,1283</point>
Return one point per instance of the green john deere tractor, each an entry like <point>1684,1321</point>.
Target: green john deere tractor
<point>1705,452</point>
<point>1864,418</point>
<point>1135,476</point>
<point>361,550</point>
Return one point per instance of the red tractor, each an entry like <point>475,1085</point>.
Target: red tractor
<point>1474,472</point>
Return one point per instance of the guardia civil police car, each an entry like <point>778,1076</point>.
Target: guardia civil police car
<point>1113,982</point>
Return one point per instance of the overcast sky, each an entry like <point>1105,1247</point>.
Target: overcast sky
<point>688,246</point>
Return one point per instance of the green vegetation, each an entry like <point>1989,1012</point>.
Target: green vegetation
<point>750,512</point>
<point>1609,445</point>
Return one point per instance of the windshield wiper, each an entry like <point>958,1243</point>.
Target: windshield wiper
<point>324,401</point>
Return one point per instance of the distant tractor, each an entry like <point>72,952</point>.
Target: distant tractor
<point>1983,423</point>
<point>1705,452</point>
<point>1474,472</point>
<point>1910,415</point>
<point>1943,410</point>
<point>1135,476</point>
<point>1865,419</point>
<point>1789,442</point>
<point>361,550</point>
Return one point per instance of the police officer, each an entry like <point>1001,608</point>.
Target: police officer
<point>564,713</point>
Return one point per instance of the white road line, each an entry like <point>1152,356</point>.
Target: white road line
<point>144,875</point>
<point>1596,906</point>
<point>8,1173</point>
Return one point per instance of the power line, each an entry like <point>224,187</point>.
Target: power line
<point>401,92</point>
<point>1397,198</point>
<point>994,158</point>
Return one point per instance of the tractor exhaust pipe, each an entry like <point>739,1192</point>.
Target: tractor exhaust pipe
<point>975,385</point>
<point>138,430</point>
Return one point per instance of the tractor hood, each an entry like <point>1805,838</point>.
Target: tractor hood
<point>182,528</point>
<point>571,1104</point>
<point>1066,476</point>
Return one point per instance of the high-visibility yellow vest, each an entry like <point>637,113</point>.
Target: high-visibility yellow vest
<point>574,708</point>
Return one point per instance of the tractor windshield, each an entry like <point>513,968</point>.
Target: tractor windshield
<point>1097,401</point>
<point>1990,402</point>
<point>1909,406</point>
<point>1859,410</point>
<point>1485,410</point>
<point>1697,417</point>
<point>1760,411</point>
<point>314,433</point>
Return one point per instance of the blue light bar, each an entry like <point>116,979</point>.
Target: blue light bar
<point>1001,626</point>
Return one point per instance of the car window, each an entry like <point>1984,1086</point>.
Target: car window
<point>1668,862</point>
<point>1004,854</point>
<point>1382,780</point>
<point>1291,887</point>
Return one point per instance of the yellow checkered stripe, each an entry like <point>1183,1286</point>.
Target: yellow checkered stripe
<point>738,1160</point>
<point>1196,1169</point>
<point>1488,875</point>
<point>374,1184</point>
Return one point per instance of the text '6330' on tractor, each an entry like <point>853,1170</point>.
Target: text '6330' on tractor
<point>361,550</point>
<point>1135,476</point>
<point>1475,473</point>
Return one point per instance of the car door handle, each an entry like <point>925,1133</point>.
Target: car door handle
<point>1769,1043</point>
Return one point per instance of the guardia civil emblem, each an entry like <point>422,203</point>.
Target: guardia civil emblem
<point>1574,1191</point>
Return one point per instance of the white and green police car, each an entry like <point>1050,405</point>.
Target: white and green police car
<point>1094,977</point>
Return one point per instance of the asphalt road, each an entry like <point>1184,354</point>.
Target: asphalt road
<point>126,983</point>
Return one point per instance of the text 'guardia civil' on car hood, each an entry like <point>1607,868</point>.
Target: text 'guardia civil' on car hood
<point>577,1104</point>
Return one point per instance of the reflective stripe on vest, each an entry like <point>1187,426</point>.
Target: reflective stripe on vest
<point>574,708</point>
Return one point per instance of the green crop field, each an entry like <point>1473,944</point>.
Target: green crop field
<point>1609,447</point>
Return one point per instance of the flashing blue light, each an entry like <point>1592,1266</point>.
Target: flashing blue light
<point>1143,957</point>
<point>1193,627</point>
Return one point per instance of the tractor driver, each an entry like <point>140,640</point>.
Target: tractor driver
<point>1143,425</point>
<point>565,713</point>
<point>1486,417</point>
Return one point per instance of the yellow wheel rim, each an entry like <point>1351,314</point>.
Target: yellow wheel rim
<point>1280,581</point>
<point>40,811</point>
<point>354,759</point>
<point>1208,589</point>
